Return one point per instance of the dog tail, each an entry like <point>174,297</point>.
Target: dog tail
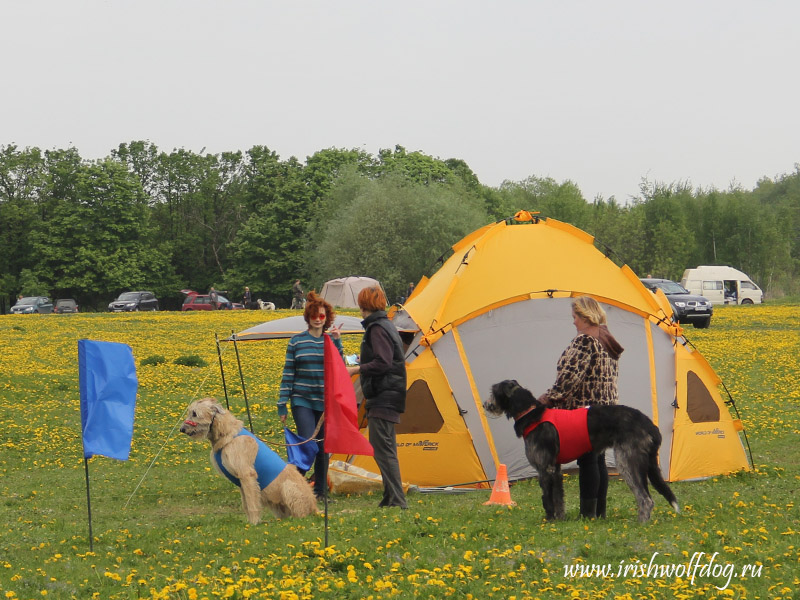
<point>657,481</point>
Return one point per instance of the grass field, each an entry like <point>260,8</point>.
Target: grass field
<point>165,526</point>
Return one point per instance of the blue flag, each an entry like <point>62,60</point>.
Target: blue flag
<point>300,454</point>
<point>107,376</point>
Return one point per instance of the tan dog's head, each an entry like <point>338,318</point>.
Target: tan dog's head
<point>200,417</point>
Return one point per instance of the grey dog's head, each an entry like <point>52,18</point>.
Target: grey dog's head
<point>500,399</point>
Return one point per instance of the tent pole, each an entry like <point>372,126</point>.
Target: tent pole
<point>222,372</point>
<point>88,503</point>
<point>738,416</point>
<point>325,504</point>
<point>241,376</point>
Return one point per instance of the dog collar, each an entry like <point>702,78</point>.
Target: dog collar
<point>523,413</point>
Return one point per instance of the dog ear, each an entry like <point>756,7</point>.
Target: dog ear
<point>521,398</point>
<point>509,386</point>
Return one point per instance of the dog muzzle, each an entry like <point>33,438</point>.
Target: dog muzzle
<point>190,423</point>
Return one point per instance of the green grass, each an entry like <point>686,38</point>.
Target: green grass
<point>166,526</point>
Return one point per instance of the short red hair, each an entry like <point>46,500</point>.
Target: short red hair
<point>314,305</point>
<point>372,298</point>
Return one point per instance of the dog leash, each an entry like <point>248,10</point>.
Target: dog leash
<point>313,437</point>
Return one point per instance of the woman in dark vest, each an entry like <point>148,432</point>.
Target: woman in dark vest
<point>382,371</point>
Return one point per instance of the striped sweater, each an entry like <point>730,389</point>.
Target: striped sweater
<point>303,381</point>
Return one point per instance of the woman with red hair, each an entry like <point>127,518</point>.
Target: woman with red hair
<point>382,371</point>
<point>303,381</point>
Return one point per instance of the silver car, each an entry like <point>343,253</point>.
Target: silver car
<point>32,304</point>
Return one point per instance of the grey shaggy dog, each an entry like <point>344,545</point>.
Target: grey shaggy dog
<point>632,435</point>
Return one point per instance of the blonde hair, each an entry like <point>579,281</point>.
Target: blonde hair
<point>589,310</point>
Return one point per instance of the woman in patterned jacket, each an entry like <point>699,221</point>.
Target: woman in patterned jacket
<point>586,375</point>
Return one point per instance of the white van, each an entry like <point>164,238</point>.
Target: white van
<point>722,285</point>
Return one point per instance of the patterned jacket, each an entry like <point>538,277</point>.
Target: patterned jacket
<point>586,375</point>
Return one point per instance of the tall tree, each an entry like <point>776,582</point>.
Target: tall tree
<point>268,248</point>
<point>412,166</point>
<point>22,177</point>
<point>394,230</point>
<point>324,167</point>
<point>562,201</point>
<point>667,238</point>
<point>98,241</point>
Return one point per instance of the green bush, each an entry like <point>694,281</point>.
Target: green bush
<point>154,360</point>
<point>190,360</point>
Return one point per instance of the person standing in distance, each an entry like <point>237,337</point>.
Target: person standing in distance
<point>382,371</point>
<point>297,295</point>
<point>247,297</point>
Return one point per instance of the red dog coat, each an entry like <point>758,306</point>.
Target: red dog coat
<point>573,432</point>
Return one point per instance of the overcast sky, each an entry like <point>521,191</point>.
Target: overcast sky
<point>600,93</point>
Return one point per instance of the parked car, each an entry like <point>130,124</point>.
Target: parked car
<point>195,301</point>
<point>65,306</point>
<point>32,304</point>
<point>133,301</point>
<point>687,307</point>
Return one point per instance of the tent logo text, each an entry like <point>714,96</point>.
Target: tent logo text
<point>718,432</point>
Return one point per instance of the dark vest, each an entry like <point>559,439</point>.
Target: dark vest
<point>387,390</point>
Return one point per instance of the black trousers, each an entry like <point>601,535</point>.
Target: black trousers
<point>384,441</point>
<point>593,477</point>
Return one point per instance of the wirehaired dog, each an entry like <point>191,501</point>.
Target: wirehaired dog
<point>265,479</point>
<point>553,438</point>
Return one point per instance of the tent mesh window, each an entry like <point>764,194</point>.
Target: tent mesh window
<point>422,415</point>
<point>700,406</point>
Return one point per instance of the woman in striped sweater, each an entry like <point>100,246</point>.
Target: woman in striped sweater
<point>303,382</point>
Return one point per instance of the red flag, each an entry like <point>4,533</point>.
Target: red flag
<point>341,426</point>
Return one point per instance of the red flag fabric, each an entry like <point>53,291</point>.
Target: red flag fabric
<point>341,425</point>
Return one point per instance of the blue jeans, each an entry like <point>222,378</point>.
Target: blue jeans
<point>305,419</point>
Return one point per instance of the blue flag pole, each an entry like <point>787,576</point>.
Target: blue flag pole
<point>108,385</point>
<point>89,504</point>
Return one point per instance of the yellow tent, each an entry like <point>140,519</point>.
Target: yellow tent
<point>499,308</point>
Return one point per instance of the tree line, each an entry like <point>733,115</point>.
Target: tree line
<point>142,218</point>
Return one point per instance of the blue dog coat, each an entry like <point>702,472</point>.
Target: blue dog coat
<point>268,463</point>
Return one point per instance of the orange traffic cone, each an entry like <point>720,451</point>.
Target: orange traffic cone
<point>500,492</point>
